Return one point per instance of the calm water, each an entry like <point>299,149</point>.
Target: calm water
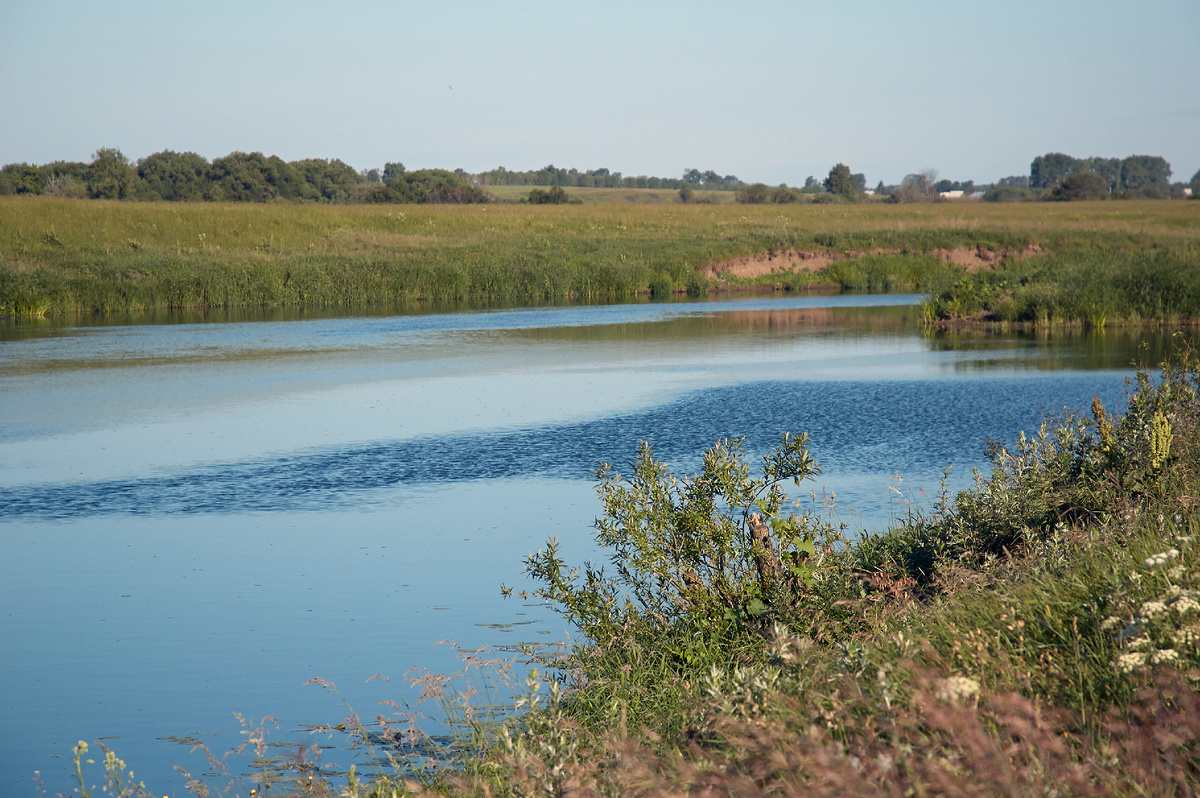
<point>197,518</point>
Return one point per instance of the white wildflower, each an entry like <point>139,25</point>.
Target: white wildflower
<point>1111,622</point>
<point>958,688</point>
<point>1186,637</point>
<point>1139,642</point>
<point>1162,558</point>
<point>1176,573</point>
<point>1128,663</point>
<point>1165,655</point>
<point>1186,604</point>
<point>1152,608</point>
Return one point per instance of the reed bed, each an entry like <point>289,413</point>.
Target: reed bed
<point>62,256</point>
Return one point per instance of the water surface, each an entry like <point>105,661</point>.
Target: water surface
<point>199,517</point>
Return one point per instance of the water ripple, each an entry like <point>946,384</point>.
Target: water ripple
<point>856,428</point>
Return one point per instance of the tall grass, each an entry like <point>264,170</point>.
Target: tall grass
<point>1083,288</point>
<point>66,256</point>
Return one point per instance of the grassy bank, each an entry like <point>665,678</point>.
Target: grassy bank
<point>64,256</point>
<point>1037,634</point>
<point>1155,284</point>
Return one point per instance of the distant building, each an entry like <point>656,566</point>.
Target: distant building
<point>956,194</point>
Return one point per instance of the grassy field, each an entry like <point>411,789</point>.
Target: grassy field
<point>71,256</point>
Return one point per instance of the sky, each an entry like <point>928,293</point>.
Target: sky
<point>768,90</point>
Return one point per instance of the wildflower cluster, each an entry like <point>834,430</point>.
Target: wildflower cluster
<point>1164,630</point>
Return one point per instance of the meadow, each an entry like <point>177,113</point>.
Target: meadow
<point>1036,634</point>
<point>62,256</point>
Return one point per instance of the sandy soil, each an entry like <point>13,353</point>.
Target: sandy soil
<point>971,258</point>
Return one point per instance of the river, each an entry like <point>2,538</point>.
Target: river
<point>199,516</point>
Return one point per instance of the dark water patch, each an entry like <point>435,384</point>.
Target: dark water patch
<point>856,428</point>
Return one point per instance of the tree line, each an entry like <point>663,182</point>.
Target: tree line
<point>253,177</point>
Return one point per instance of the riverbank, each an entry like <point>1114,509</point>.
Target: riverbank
<point>1039,632</point>
<point>62,256</point>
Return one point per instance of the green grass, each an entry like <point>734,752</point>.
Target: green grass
<point>73,256</point>
<point>1087,288</point>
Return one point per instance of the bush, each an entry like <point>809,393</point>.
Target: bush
<point>754,194</point>
<point>1079,186</point>
<point>1007,193</point>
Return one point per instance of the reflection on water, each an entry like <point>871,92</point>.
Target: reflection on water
<point>198,517</point>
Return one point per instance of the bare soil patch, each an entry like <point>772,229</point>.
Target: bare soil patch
<point>790,261</point>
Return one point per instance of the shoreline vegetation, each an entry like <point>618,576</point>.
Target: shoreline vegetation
<point>1037,634</point>
<point>1082,263</point>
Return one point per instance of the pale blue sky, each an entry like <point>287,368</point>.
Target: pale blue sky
<point>770,91</point>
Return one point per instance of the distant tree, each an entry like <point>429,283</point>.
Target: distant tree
<point>373,176</point>
<point>1146,176</point>
<point>1195,184</point>
<point>755,194</point>
<point>917,187</point>
<point>880,189</point>
<point>1019,181</point>
<point>785,195</point>
<point>687,194</point>
<point>21,178</point>
<point>860,182</point>
<point>253,177</point>
<point>1003,192</point>
<point>110,175</point>
<point>555,195</point>
<point>1079,186</point>
<point>812,186</point>
<point>333,181</point>
<point>1050,169</point>
<point>1107,168</point>
<point>395,171</point>
<point>841,182</point>
<point>174,176</point>
<point>427,186</point>
<point>65,179</point>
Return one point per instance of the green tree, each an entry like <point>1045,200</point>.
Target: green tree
<point>21,178</point>
<point>1146,176</point>
<point>1109,169</point>
<point>841,182</point>
<point>1003,192</point>
<point>1050,169</point>
<point>1079,186</point>
<point>754,194</point>
<point>1195,184</point>
<point>812,186</point>
<point>110,175</point>
<point>395,171</point>
<point>556,195</point>
<point>427,186</point>
<point>253,177</point>
<point>332,181</point>
<point>174,176</point>
<point>785,195</point>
